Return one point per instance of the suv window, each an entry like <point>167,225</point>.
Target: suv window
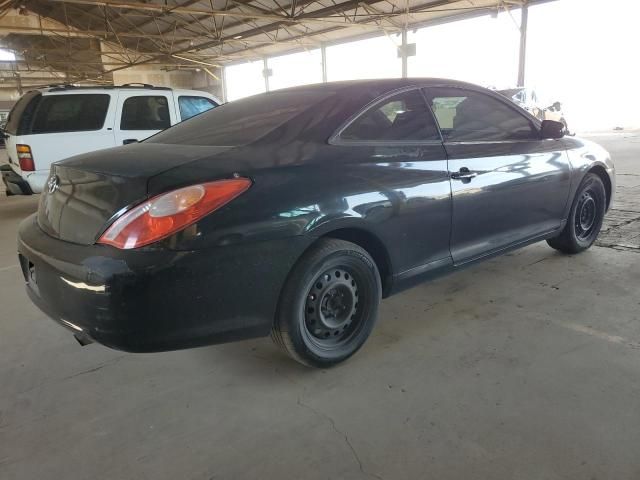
<point>21,114</point>
<point>191,106</point>
<point>145,113</point>
<point>467,116</point>
<point>402,117</point>
<point>70,113</point>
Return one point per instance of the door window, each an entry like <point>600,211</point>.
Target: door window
<point>70,113</point>
<point>145,113</point>
<point>191,106</point>
<point>468,116</point>
<point>402,117</point>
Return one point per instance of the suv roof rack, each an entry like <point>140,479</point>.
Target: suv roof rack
<point>137,84</point>
<point>65,86</point>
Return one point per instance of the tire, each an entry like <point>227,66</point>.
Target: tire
<point>585,218</point>
<point>329,304</point>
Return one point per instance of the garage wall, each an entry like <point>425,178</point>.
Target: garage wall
<point>201,80</point>
<point>189,79</point>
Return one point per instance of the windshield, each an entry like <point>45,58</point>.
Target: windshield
<point>243,121</point>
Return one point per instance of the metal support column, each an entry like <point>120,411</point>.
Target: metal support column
<point>523,43</point>
<point>323,54</point>
<point>224,85</point>
<point>405,53</point>
<point>266,73</point>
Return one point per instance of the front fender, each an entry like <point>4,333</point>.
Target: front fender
<point>586,156</point>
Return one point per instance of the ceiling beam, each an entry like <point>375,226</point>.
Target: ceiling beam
<point>63,32</point>
<point>313,17</point>
<point>416,9</point>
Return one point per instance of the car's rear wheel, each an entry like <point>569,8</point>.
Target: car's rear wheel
<point>585,218</point>
<point>329,304</point>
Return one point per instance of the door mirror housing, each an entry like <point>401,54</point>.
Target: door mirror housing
<point>551,129</point>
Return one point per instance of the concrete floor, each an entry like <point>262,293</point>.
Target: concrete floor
<point>524,367</point>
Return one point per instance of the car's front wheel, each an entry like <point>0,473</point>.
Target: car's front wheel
<point>329,304</point>
<point>585,218</point>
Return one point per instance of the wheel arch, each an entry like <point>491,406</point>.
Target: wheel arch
<point>601,172</point>
<point>373,245</point>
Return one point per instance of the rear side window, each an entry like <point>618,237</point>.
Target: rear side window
<point>70,113</point>
<point>145,113</point>
<point>192,106</point>
<point>468,116</point>
<point>21,114</point>
<point>403,117</point>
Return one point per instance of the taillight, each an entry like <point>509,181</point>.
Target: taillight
<point>25,159</point>
<point>171,212</point>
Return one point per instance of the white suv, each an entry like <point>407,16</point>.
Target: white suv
<point>51,124</point>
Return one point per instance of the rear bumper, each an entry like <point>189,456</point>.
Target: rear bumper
<point>13,182</point>
<point>37,180</point>
<point>153,300</point>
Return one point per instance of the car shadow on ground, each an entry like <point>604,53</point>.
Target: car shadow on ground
<point>18,207</point>
<point>423,314</point>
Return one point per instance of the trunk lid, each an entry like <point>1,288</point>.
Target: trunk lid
<point>84,192</point>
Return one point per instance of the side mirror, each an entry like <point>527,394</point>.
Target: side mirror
<point>551,129</point>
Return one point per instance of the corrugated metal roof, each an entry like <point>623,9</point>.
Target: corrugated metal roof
<point>194,33</point>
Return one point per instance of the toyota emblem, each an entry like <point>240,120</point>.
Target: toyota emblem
<point>53,184</point>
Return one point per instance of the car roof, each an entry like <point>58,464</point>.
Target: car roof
<point>382,84</point>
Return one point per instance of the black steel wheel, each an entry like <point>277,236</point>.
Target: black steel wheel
<point>329,304</point>
<point>585,218</point>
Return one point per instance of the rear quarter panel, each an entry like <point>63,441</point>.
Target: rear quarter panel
<point>406,205</point>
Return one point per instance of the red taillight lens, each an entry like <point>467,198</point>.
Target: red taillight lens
<point>25,158</point>
<point>170,212</point>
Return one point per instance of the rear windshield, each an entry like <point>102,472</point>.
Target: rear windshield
<point>35,113</point>
<point>70,113</point>
<point>21,114</point>
<point>243,121</point>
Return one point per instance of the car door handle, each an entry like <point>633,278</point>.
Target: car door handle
<point>129,140</point>
<point>464,174</point>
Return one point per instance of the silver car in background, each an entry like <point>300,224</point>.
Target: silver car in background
<point>528,99</point>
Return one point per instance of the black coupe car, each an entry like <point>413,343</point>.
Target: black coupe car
<point>295,211</point>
